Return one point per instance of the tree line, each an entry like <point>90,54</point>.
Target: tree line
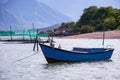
<point>94,19</point>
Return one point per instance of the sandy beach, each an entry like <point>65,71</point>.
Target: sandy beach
<point>97,35</point>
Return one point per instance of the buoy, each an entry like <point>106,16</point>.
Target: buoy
<point>59,46</point>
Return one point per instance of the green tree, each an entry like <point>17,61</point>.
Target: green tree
<point>88,17</point>
<point>110,23</point>
<point>94,19</point>
<point>87,29</point>
<point>103,18</point>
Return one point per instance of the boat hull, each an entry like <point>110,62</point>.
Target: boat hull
<point>59,55</point>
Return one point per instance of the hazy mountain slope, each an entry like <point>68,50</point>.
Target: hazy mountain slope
<point>22,13</point>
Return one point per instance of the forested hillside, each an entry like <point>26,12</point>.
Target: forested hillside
<point>94,19</point>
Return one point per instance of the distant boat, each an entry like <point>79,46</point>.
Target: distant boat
<point>53,54</point>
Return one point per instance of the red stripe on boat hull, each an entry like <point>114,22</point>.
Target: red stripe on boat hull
<point>50,60</point>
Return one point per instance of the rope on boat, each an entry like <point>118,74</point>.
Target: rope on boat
<point>25,58</point>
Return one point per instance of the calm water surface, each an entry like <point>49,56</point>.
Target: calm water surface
<point>34,66</point>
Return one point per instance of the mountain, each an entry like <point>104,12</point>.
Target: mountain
<point>22,13</point>
<point>50,27</point>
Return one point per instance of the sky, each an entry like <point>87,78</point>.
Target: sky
<point>3,1</point>
<point>74,8</point>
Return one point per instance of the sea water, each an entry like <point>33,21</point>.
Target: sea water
<point>19,62</point>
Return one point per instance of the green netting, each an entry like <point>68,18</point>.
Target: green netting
<point>43,35</point>
<point>25,33</point>
<point>7,33</point>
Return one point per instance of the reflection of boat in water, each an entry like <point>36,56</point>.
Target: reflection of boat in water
<point>53,54</point>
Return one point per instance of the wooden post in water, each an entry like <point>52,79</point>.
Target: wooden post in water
<point>34,45</point>
<point>52,35</point>
<point>103,16</point>
<point>36,42</point>
<point>23,33</point>
<point>33,31</point>
<point>30,35</point>
<point>103,38</point>
<point>10,32</point>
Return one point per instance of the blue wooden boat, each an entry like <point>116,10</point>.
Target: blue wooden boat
<point>53,54</point>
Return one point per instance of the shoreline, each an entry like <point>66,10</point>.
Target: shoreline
<point>95,35</point>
